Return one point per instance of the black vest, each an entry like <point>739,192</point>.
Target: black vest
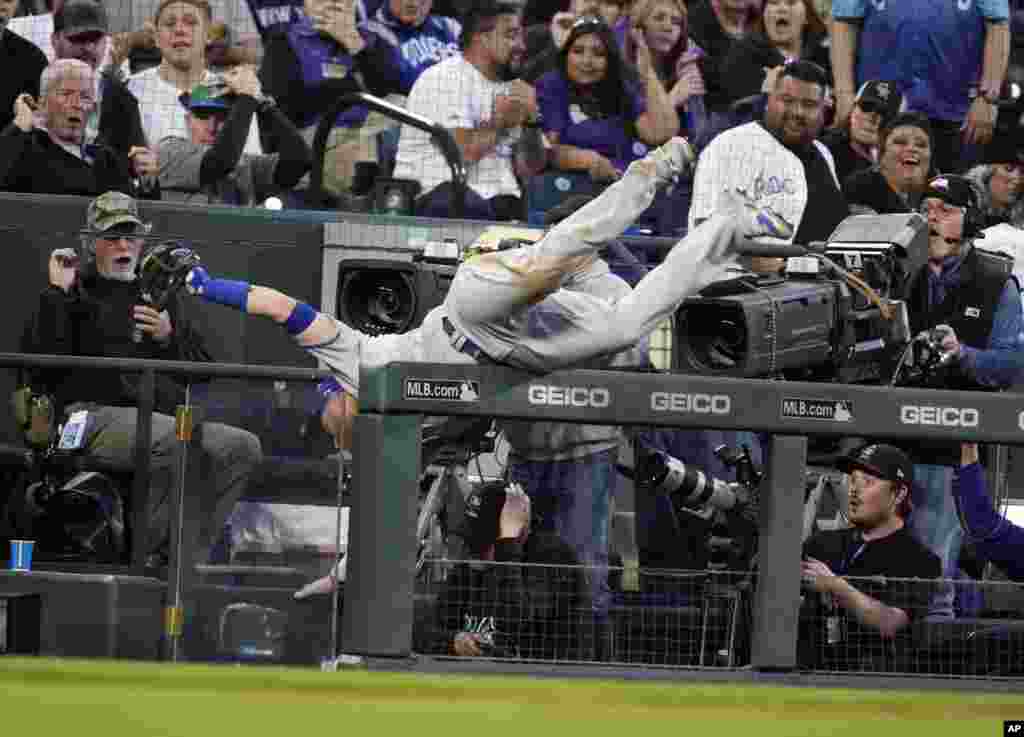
<point>969,308</point>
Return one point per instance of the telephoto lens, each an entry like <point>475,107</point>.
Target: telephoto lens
<point>688,486</point>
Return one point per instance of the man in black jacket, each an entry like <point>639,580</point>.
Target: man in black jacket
<point>499,605</point>
<point>46,152</point>
<point>97,311</point>
<point>82,32</point>
<point>858,623</point>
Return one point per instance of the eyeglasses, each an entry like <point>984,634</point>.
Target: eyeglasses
<point>939,207</point>
<point>588,22</point>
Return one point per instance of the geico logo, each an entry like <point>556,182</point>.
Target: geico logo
<point>703,404</point>
<point>943,416</point>
<point>569,396</point>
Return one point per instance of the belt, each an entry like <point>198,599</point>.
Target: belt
<point>464,344</point>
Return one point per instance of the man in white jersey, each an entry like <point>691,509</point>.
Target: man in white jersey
<point>777,161</point>
<point>492,115</point>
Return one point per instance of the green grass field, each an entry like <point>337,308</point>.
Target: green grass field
<point>51,697</point>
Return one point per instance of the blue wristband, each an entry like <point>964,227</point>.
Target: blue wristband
<point>301,318</point>
<point>227,292</point>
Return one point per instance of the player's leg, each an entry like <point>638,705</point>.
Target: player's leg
<point>302,321</point>
<point>489,288</point>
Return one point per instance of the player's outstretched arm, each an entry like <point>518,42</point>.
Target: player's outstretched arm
<point>303,322</point>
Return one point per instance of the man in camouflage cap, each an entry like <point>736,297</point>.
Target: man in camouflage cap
<point>97,310</point>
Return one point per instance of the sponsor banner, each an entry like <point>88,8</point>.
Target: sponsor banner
<point>911,414</point>
<point>699,404</point>
<point>830,410</point>
<point>445,390</point>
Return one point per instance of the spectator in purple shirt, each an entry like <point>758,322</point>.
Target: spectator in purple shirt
<point>594,113</point>
<point>995,538</point>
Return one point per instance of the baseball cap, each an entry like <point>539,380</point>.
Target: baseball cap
<point>204,97</point>
<point>952,189</point>
<point>480,525</point>
<point>886,462</point>
<point>111,209</point>
<point>879,96</point>
<point>81,16</point>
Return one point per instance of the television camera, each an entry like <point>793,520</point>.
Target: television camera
<point>835,315</point>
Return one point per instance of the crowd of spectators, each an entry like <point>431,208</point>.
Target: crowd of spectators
<point>603,81</point>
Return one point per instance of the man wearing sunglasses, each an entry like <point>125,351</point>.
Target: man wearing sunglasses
<point>210,167</point>
<point>854,147</point>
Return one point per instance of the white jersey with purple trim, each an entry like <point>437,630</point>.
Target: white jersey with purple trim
<point>751,159</point>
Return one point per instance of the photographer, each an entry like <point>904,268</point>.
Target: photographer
<point>994,537</point>
<point>966,301</point>
<point>97,310</point>
<point>504,609</point>
<point>856,613</point>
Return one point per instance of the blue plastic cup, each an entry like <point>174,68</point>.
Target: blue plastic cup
<point>21,554</point>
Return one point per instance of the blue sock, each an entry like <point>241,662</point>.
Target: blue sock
<point>227,292</point>
<point>301,318</point>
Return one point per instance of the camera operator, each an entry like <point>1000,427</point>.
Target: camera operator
<point>994,537</point>
<point>491,605</point>
<point>97,310</point>
<point>965,300</point>
<point>877,544</point>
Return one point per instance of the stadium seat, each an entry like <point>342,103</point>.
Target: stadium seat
<point>552,188</point>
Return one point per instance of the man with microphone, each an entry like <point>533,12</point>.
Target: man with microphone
<point>970,302</point>
<point>93,306</point>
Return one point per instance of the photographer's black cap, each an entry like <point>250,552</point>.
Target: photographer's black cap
<point>480,525</point>
<point>881,95</point>
<point>886,462</point>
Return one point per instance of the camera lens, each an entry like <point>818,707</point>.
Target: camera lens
<point>378,301</point>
